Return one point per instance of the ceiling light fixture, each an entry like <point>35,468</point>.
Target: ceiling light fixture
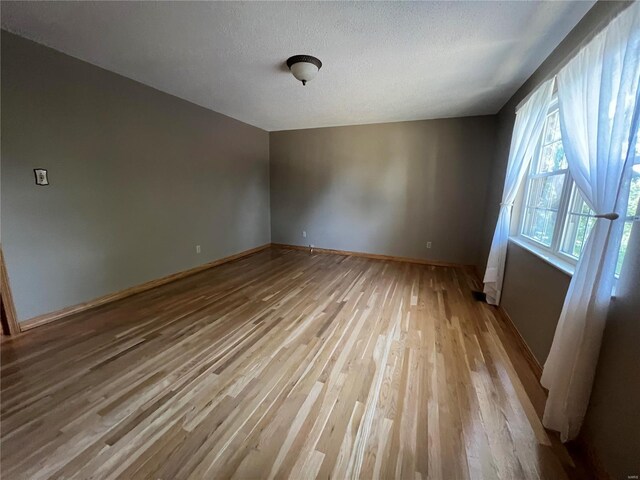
<point>304,67</point>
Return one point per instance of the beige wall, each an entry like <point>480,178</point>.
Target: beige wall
<point>385,188</point>
<point>533,292</point>
<point>138,178</point>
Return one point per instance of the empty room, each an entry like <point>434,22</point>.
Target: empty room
<point>320,240</point>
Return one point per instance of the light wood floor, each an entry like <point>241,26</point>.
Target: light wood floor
<point>280,365</point>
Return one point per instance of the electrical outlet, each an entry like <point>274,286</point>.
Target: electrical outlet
<point>197,248</point>
<point>304,233</point>
<point>428,244</point>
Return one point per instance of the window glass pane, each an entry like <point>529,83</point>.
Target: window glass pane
<point>541,207</point>
<point>552,128</point>
<point>634,193</point>
<point>577,226</point>
<point>623,246</point>
<point>552,158</point>
<point>538,225</point>
<point>545,192</point>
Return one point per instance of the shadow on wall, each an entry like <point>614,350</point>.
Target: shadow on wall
<point>348,199</point>
<point>386,188</point>
<point>363,204</point>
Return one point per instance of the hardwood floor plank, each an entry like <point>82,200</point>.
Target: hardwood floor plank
<point>283,364</point>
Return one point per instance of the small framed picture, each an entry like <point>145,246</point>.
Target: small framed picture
<point>41,176</point>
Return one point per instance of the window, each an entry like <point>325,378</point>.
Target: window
<point>555,218</point>
<point>547,177</point>
<point>633,207</point>
<point>577,225</point>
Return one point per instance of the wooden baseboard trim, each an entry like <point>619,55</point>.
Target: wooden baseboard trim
<point>65,312</point>
<point>529,356</point>
<point>374,256</point>
<point>580,448</point>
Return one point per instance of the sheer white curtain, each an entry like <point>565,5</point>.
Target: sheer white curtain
<point>598,95</point>
<point>526,135</point>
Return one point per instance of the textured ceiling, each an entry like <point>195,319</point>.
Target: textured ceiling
<point>382,61</point>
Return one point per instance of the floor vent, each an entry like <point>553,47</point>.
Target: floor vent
<point>479,296</point>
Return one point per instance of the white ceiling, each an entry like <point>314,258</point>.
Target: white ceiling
<point>382,61</point>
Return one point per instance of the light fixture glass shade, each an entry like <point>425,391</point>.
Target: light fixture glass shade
<point>304,67</point>
<point>304,71</point>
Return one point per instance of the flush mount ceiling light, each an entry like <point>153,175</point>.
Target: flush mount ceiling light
<point>304,67</point>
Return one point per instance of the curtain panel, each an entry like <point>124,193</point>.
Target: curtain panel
<point>526,134</point>
<point>598,95</point>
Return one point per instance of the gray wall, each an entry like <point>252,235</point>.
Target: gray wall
<point>533,292</point>
<point>384,188</point>
<point>523,289</point>
<point>138,178</point>
<point>613,419</point>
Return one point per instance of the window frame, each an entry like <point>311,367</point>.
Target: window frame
<point>552,250</point>
<point>553,253</point>
<point>572,186</point>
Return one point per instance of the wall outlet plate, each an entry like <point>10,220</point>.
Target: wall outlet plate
<point>42,177</point>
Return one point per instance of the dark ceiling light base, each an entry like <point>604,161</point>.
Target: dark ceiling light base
<point>304,58</point>
<point>304,67</point>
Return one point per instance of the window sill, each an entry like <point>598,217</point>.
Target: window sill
<point>564,267</point>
